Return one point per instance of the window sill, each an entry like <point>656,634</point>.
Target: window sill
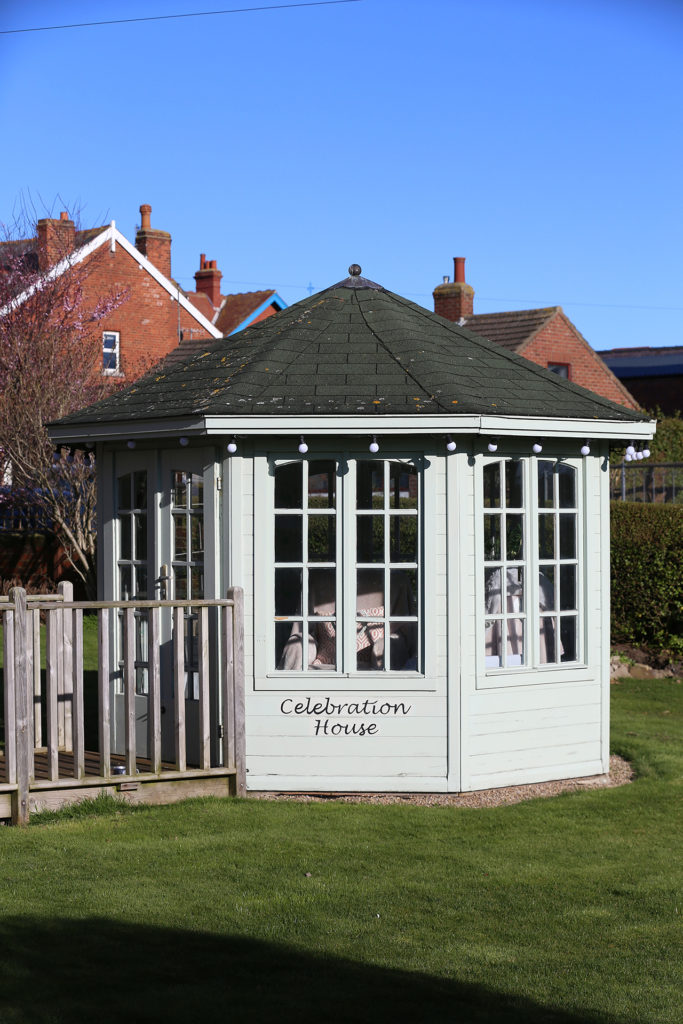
<point>543,675</point>
<point>373,682</point>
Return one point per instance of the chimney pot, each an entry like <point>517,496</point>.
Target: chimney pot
<point>459,269</point>
<point>64,215</point>
<point>145,211</point>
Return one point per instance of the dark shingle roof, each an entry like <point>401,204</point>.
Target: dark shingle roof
<point>350,350</point>
<point>510,329</point>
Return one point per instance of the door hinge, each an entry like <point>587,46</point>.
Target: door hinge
<point>219,483</point>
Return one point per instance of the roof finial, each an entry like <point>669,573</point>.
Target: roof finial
<point>354,270</point>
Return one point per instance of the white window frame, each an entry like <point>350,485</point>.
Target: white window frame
<point>116,351</point>
<point>533,671</point>
<point>344,677</point>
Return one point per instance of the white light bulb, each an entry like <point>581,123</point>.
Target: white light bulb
<point>536,448</point>
<point>646,453</point>
<point>450,444</point>
<point>303,447</point>
<point>585,449</point>
<point>232,447</point>
<point>639,456</point>
<point>131,444</point>
<point>493,446</point>
<point>373,447</point>
<point>627,457</point>
<point>183,441</point>
<point>631,450</point>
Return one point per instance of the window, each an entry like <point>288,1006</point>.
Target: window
<point>561,369</point>
<point>531,562</point>
<point>131,516</point>
<point>110,352</point>
<point>347,566</point>
<point>187,517</point>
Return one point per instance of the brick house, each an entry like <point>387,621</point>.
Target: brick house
<point>544,336</point>
<point>158,315</point>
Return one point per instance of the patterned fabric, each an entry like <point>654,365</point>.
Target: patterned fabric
<point>368,633</point>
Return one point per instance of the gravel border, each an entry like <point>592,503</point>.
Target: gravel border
<point>620,773</point>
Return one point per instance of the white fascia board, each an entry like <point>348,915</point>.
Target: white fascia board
<point>112,235</point>
<point>350,426</point>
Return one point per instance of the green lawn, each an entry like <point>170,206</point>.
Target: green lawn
<point>565,910</point>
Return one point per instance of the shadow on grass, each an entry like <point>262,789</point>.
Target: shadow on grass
<point>63,970</point>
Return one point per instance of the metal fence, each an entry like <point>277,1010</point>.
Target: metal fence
<point>660,483</point>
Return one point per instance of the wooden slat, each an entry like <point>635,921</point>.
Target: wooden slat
<point>179,688</point>
<point>53,663</point>
<point>129,686</point>
<point>78,719</point>
<point>37,689</point>
<point>10,671</point>
<point>204,681</point>
<point>103,693</point>
<point>66,591</point>
<point>237,595</point>
<point>154,690</point>
<point>227,687</point>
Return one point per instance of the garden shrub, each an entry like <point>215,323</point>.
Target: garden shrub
<point>647,575</point>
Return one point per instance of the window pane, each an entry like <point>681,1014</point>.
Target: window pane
<point>492,485</point>
<point>514,539</point>
<point>402,646</point>
<point>197,491</point>
<point>546,589</point>
<point>322,545</point>
<point>493,645</point>
<point>125,583</point>
<point>547,640</point>
<point>403,485</point>
<point>124,492</point>
<point>403,596</point>
<point>179,490</point>
<point>288,485</point>
<point>288,538</point>
<point>514,492</point>
<point>546,536</point>
<point>180,576</point>
<point>321,484</point>
<point>140,535</point>
<point>370,592</point>
<point>545,484</point>
<point>491,538</point>
<point>197,538</point>
<point>322,595</point>
<point>514,586</point>
<point>140,490</point>
<point>369,646</point>
<point>180,535</point>
<point>288,646</point>
<point>288,592</point>
<point>568,638</point>
<point>567,485</point>
<point>370,485</point>
<point>567,535</point>
<point>492,590</point>
<point>403,541</point>
<point>141,582</point>
<point>197,583</point>
<point>109,361</point>
<point>322,652</point>
<point>125,551</point>
<point>567,588</point>
<point>515,649</point>
<point>369,538</point>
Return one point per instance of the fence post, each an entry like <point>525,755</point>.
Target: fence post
<point>23,709</point>
<point>238,709</point>
<point>65,676</point>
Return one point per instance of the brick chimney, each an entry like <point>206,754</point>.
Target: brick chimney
<point>454,300</point>
<point>208,280</point>
<point>155,245</point>
<point>56,239</point>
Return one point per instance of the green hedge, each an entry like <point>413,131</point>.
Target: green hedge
<point>647,575</point>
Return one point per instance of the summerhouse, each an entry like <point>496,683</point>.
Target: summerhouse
<point>419,520</point>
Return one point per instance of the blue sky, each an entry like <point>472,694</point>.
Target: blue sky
<point>541,140</point>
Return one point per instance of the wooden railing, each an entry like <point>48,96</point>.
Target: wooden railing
<point>44,712</point>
